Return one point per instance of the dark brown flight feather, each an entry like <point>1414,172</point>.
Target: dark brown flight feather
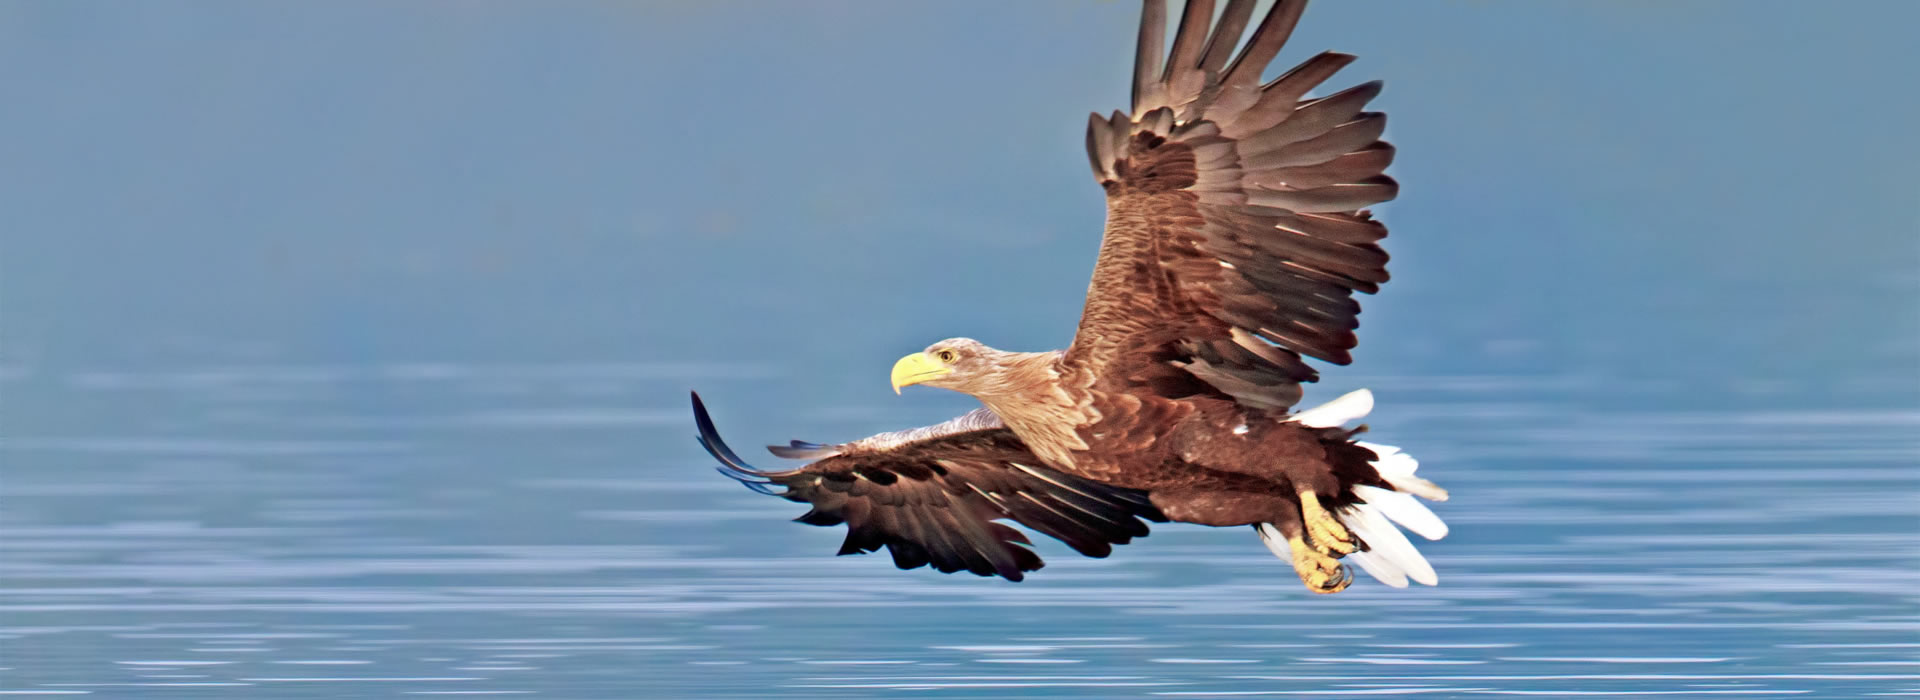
<point>932,496</point>
<point>1236,223</point>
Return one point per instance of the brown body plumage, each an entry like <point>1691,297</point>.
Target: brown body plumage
<point>1236,236</point>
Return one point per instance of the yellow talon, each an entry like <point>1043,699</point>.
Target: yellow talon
<point>1321,573</point>
<point>1326,532</point>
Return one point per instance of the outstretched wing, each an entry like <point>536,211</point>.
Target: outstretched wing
<point>932,496</point>
<point>1236,233</point>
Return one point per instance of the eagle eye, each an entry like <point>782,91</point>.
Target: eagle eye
<point>947,356</point>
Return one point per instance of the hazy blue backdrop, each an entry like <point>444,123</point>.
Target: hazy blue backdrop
<point>349,342</point>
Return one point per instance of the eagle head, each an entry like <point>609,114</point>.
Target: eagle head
<point>961,364</point>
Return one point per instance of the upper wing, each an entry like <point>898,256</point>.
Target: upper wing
<point>931,495</point>
<point>1235,230</point>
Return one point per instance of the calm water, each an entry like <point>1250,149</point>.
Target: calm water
<point>551,530</point>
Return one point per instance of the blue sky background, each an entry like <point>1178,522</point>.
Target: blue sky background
<point>1710,196</point>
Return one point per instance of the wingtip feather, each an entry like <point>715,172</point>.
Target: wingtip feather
<point>709,438</point>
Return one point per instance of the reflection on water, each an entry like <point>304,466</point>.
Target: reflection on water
<point>437,529</point>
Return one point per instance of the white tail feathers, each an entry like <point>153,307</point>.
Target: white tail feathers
<point>1390,557</point>
<point>1387,549</point>
<point>1380,570</point>
<point>1338,412</point>
<point>1402,509</point>
<point>1396,468</point>
<point>1275,541</point>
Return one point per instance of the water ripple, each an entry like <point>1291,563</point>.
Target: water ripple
<point>556,542</point>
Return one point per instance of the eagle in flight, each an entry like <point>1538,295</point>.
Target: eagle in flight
<point>1237,233</point>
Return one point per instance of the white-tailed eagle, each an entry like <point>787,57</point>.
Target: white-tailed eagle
<point>1237,233</point>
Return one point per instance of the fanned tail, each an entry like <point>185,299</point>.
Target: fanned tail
<point>1380,513</point>
<point>1383,508</point>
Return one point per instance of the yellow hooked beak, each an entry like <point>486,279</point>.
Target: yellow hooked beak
<point>916,368</point>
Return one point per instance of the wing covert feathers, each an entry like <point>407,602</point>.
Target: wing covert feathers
<point>1237,229</point>
<point>931,496</point>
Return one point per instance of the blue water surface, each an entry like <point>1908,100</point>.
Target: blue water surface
<point>264,531</point>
